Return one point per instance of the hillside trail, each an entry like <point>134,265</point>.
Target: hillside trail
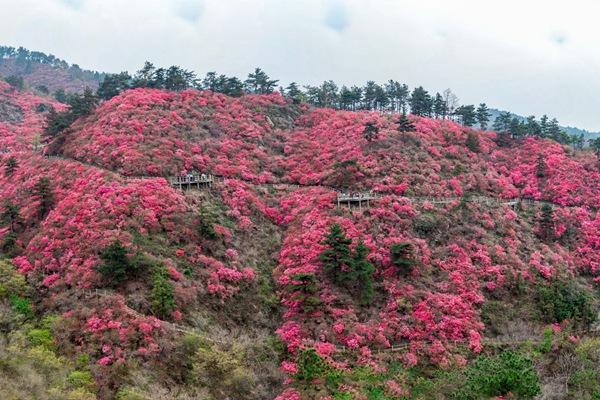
<point>344,196</point>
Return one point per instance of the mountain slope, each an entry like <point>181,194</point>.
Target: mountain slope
<point>224,290</point>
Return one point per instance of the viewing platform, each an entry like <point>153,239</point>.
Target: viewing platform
<point>192,179</point>
<point>359,198</point>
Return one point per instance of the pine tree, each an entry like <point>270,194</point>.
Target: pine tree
<point>421,102</point>
<point>402,256</point>
<point>483,116</point>
<point>362,273</point>
<point>162,294</point>
<point>116,266</point>
<point>595,145</point>
<point>546,223</point>
<point>540,168</point>
<point>305,291</point>
<point>294,93</point>
<point>258,82</point>
<point>544,126</point>
<point>467,114</point>
<point>473,142</point>
<point>440,108</point>
<point>370,131</point>
<point>11,216</point>
<point>337,257</point>
<point>10,166</point>
<point>113,84</point>
<point>45,196</point>
<point>404,124</point>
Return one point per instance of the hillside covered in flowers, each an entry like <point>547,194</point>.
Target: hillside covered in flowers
<point>476,256</point>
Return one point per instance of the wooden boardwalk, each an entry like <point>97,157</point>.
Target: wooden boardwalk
<point>192,179</point>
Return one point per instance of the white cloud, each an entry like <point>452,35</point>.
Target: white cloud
<point>531,57</point>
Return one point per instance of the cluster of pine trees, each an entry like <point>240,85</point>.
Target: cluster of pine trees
<point>26,59</point>
<point>393,96</point>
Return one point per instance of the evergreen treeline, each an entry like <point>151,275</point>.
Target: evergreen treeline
<point>392,96</point>
<point>26,58</point>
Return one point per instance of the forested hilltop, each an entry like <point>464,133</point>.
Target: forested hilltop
<point>163,242</point>
<point>45,73</point>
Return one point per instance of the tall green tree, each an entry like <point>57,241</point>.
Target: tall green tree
<point>404,124</point>
<point>11,216</point>
<point>467,114</point>
<point>440,108</point>
<point>337,256</point>
<point>293,92</point>
<point>402,256</point>
<point>45,196</point>
<point>259,82</point>
<point>113,84</point>
<point>483,116</point>
<point>362,271</point>
<point>421,102</point>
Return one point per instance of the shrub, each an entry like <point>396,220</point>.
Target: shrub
<point>499,375</point>
<point>80,379</point>
<point>310,366</point>
<point>41,338</point>
<point>402,255</point>
<point>425,224</point>
<point>306,291</point>
<point>117,266</point>
<point>473,142</point>
<point>162,295</point>
<point>21,305</point>
<point>206,224</point>
<point>10,166</point>
<point>561,301</point>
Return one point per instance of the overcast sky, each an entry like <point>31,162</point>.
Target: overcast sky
<point>527,56</point>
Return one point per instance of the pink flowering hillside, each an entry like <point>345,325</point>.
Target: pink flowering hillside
<point>462,255</point>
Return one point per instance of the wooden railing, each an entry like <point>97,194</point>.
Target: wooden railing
<point>191,179</point>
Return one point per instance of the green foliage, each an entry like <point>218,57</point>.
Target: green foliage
<point>546,223</point>
<point>113,84</point>
<point>404,124</point>
<point>362,273</point>
<point>21,305</point>
<point>117,266</point>
<point>425,224</point>
<point>540,167</point>
<point>402,256</point>
<point>565,300</point>
<point>467,114</point>
<point>546,344</point>
<point>206,224</point>
<point>81,105</point>
<point>15,81</point>
<point>80,379</point>
<point>223,372</point>
<point>10,166</point>
<point>498,375</point>
<point>162,294</point>
<point>45,196</point>
<point>41,337</point>
<point>351,270</point>
<point>337,257</point>
<point>310,366</point>
<point>12,283</point>
<point>370,131</point>
<point>306,289</point>
<point>473,142</point>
